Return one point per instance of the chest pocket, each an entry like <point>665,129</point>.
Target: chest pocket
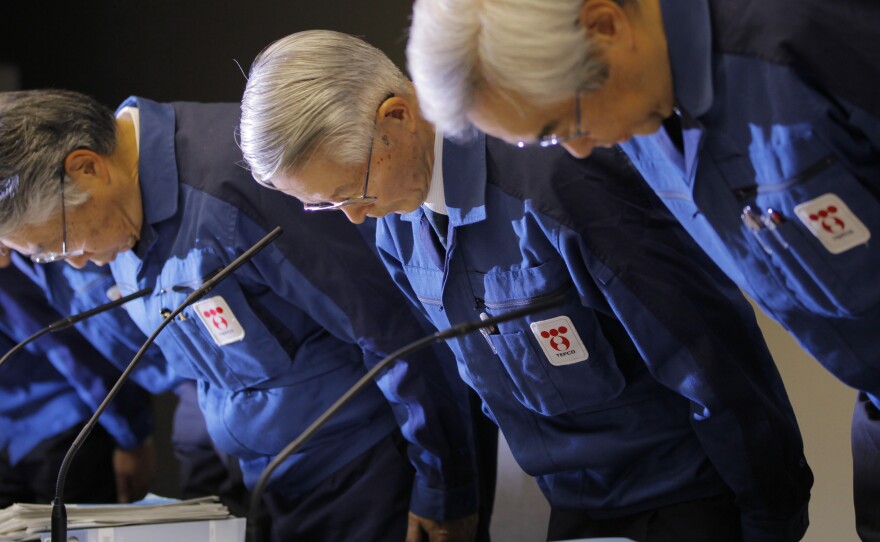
<point>540,380</point>
<point>255,359</point>
<point>815,220</point>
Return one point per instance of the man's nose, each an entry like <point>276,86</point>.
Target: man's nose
<point>78,262</point>
<point>356,214</point>
<point>579,148</point>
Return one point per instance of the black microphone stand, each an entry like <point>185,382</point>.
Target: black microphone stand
<point>59,512</point>
<point>253,527</point>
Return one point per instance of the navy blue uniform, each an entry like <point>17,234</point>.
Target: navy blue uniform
<point>47,392</point>
<point>650,386</point>
<point>276,343</point>
<point>778,177</point>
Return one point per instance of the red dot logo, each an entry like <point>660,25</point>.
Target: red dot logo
<point>217,321</point>
<point>220,322</point>
<point>558,341</point>
<point>828,219</point>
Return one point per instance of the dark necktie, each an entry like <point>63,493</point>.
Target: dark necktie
<point>440,224</point>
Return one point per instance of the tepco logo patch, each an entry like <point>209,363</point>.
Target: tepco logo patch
<point>560,341</point>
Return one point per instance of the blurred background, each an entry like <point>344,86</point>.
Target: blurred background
<point>171,50</point>
<point>199,50</point>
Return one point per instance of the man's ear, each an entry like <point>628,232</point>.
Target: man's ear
<point>82,164</point>
<point>5,256</point>
<point>398,109</point>
<point>604,20</point>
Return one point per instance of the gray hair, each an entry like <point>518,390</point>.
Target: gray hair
<point>311,92</point>
<point>535,49</point>
<point>38,129</point>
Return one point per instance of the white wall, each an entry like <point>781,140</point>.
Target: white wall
<point>521,512</point>
<point>823,407</point>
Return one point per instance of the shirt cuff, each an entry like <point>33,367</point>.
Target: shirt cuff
<point>775,530</point>
<point>443,504</point>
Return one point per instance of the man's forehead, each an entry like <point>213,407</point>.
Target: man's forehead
<point>318,184</point>
<point>508,118</point>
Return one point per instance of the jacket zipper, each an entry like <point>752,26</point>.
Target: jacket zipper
<point>750,192</point>
<point>522,302</point>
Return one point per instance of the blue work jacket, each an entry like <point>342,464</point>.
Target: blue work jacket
<point>650,385</point>
<point>59,380</point>
<point>778,179</point>
<point>72,291</point>
<point>276,343</point>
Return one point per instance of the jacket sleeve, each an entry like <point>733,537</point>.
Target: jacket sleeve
<point>332,273</point>
<point>113,333</point>
<point>868,124</point>
<point>699,337</point>
<point>129,418</point>
<point>36,402</point>
<point>860,120</point>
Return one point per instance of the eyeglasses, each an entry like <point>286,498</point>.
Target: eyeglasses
<point>49,257</point>
<point>358,200</point>
<point>363,199</point>
<point>550,140</point>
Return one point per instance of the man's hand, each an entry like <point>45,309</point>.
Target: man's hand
<point>135,470</point>
<point>5,255</point>
<point>458,530</point>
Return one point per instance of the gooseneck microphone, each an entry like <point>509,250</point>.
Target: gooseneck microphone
<point>65,323</point>
<point>59,513</point>
<point>464,328</point>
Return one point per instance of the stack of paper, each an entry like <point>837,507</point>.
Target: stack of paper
<point>21,522</point>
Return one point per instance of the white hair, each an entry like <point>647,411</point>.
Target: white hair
<point>534,49</point>
<point>38,129</point>
<point>313,92</point>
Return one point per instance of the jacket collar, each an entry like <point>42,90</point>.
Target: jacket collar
<point>689,39</point>
<point>157,165</point>
<point>464,182</point>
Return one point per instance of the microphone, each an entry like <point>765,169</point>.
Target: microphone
<point>65,323</point>
<point>464,328</point>
<point>59,512</point>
